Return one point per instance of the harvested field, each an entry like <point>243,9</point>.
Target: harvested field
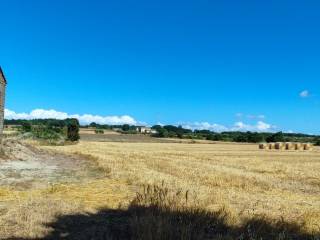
<point>241,177</point>
<point>245,181</point>
<point>134,138</point>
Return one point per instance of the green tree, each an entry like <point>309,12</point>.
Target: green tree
<point>277,137</point>
<point>125,127</point>
<point>26,127</point>
<point>180,132</point>
<point>255,137</point>
<point>163,133</point>
<point>99,131</point>
<point>157,127</point>
<point>241,138</point>
<point>73,127</point>
<point>317,141</point>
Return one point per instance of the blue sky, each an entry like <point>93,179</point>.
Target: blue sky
<point>210,64</point>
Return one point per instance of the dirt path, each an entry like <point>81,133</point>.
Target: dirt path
<point>25,167</point>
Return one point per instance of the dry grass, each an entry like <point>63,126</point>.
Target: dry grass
<point>24,213</point>
<point>250,183</point>
<point>158,213</point>
<point>155,213</point>
<point>246,180</point>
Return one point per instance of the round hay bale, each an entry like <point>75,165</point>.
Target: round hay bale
<point>307,146</point>
<point>298,146</point>
<point>271,146</point>
<point>290,146</point>
<point>262,146</point>
<point>279,146</point>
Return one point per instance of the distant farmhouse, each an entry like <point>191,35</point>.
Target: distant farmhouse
<point>3,84</point>
<point>145,130</point>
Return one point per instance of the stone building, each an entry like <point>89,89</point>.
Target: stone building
<point>145,130</point>
<point>3,84</point>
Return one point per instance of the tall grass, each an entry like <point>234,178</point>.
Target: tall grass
<point>158,213</point>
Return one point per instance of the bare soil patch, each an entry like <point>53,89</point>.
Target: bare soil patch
<point>23,166</point>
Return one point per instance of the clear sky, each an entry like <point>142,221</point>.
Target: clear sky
<point>239,64</point>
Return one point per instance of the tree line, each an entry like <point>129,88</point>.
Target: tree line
<point>126,128</point>
<point>49,128</point>
<point>70,128</point>
<point>170,131</point>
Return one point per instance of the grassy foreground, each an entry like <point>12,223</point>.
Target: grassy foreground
<point>207,191</point>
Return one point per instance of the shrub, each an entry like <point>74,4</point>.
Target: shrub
<point>26,127</point>
<point>163,133</point>
<point>317,142</point>
<point>99,131</point>
<point>46,133</point>
<point>130,132</point>
<point>72,129</point>
<point>126,127</point>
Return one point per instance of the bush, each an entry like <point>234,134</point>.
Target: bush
<point>44,132</point>
<point>163,133</point>
<point>26,127</point>
<point>99,131</point>
<point>317,142</point>
<point>130,132</point>
<point>126,127</point>
<point>73,129</point>
<point>50,130</point>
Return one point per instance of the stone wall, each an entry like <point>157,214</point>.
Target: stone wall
<point>2,103</point>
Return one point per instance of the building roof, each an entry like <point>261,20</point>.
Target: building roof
<point>2,74</point>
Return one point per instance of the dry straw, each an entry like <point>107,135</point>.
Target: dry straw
<point>280,146</point>
<point>298,146</point>
<point>271,146</point>
<point>290,146</point>
<point>263,146</point>
<point>286,146</point>
<point>307,146</point>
